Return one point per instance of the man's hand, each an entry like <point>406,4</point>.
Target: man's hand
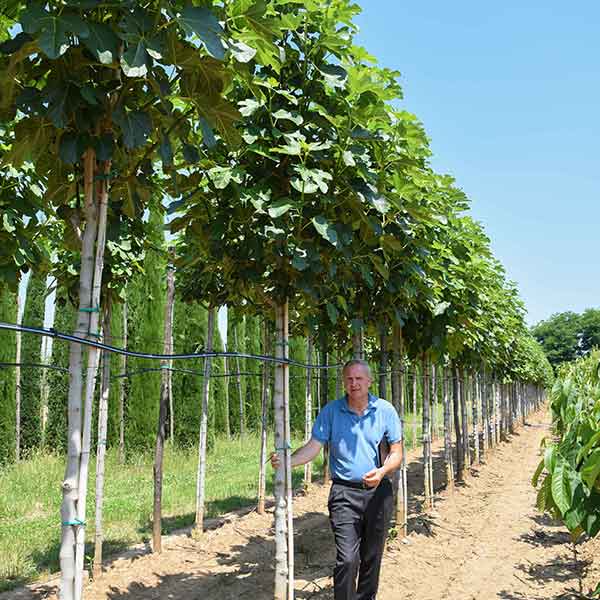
<point>275,462</point>
<point>373,478</point>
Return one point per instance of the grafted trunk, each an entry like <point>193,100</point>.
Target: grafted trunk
<point>483,393</point>
<point>163,409</point>
<point>122,388</point>
<point>400,476</point>
<point>284,549</point>
<point>426,436</point>
<point>262,473</point>
<point>200,482</point>
<point>308,409</point>
<point>447,432</point>
<point>101,444</point>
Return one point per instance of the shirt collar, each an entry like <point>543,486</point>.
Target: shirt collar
<point>371,404</point>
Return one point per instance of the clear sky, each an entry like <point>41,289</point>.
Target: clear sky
<point>509,95</point>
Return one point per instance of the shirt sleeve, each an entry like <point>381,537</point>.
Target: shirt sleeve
<point>393,431</point>
<point>321,430</point>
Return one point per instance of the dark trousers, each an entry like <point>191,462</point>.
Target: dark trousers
<point>360,520</point>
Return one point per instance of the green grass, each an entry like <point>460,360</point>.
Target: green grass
<point>30,497</point>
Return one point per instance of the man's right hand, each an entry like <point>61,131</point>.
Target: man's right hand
<point>275,462</point>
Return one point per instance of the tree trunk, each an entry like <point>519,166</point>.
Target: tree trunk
<point>90,380</point>
<point>433,402</point>
<point>324,391</point>
<point>383,365</point>
<point>456,385</point>
<point>358,350</point>
<point>262,475</point>
<point>464,421</point>
<point>163,407</point>
<point>414,374</point>
<point>338,377</point>
<point>308,409</point>
<point>170,316</point>
<point>239,386</point>
<point>200,482</point>
<point>122,389</point>
<point>101,444</point>
<point>484,414</point>
<point>426,436</point>
<point>475,412</point>
<point>400,476</point>
<point>284,550</point>
<point>226,396</point>
<point>18,385</point>
<point>447,432</point>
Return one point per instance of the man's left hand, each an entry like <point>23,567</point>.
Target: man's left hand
<point>373,478</point>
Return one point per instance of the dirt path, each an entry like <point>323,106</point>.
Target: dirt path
<point>483,542</point>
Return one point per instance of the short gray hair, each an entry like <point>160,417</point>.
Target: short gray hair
<point>357,361</point>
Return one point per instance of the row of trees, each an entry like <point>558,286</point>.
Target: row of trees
<point>300,196</point>
<point>568,335</point>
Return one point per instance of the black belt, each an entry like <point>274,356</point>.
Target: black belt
<point>358,485</point>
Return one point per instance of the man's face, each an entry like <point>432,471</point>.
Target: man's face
<point>357,381</point>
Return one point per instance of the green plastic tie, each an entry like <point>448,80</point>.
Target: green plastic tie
<point>286,447</point>
<point>96,335</point>
<point>74,522</point>
<point>92,309</point>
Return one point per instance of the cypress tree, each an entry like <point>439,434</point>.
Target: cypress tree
<point>235,343</point>
<point>252,338</point>
<point>189,335</point>
<point>8,313</point>
<point>297,384</point>
<point>31,377</point>
<point>146,297</point>
<point>58,381</point>
<point>216,415</point>
<point>116,368</point>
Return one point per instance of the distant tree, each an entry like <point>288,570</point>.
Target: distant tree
<point>33,315</point>
<point>590,330</point>
<point>8,312</point>
<point>558,336</point>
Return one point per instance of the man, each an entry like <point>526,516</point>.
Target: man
<point>361,499</point>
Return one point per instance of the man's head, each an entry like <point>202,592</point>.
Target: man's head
<point>357,379</point>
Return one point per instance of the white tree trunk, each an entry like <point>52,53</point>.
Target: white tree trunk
<point>90,381</point>
<point>426,436</point>
<point>200,482</point>
<point>475,412</point>
<point>70,486</point>
<point>447,432</point>
<point>284,549</point>
<point>101,444</point>
<point>414,372</point>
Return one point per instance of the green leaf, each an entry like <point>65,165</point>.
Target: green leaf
<point>241,51</point>
<point>102,42</point>
<point>135,125</point>
<point>279,208</point>
<point>560,485</point>
<point>208,136</point>
<point>536,475</point>
<point>67,150</point>
<point>334,75</point>
<point>591,468</point>
<point>105,146</point>
<point>190,153</point>
<point>165,151</point>
<point>15,44</point>
<point>294,117</point>
<point>332,313</point>
<point>134,61</point>
<point>248,106</point>
<point>205,25</point>
<point>325,230</point>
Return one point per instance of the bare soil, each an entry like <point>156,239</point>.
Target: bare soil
<point>483,541</point>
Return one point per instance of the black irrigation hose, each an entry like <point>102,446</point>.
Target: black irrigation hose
<point>50,332</point>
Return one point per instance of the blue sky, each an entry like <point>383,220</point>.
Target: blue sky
<point>508,93</point>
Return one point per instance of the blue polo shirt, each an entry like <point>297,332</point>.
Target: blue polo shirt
<point>353,439</point>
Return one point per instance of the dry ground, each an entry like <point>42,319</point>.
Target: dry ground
<point>484,541</point>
